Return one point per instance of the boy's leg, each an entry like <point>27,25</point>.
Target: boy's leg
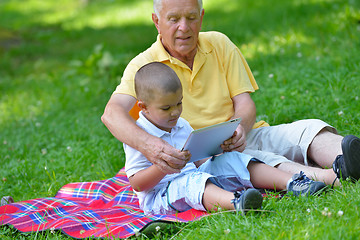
<point>268,177</point>
<point>317,174</point>
<point>215,197</point>
<point>230,170</point>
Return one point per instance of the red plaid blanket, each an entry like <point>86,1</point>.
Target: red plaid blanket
<point>106,209</point>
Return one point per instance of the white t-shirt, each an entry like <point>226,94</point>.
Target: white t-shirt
<point>136,161</point>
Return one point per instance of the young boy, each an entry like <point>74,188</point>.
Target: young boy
<point>203,185</point>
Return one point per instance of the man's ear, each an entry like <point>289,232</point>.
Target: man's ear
<point>201,17</point>
<point>156,22</point>
<point>142,106</point>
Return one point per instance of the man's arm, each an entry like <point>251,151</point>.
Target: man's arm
<point>245,108</point>
<point>117,119</point>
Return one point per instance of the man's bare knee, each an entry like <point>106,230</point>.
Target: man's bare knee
<point>324,148</point>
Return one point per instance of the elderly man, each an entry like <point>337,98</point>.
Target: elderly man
<point>217,83</point>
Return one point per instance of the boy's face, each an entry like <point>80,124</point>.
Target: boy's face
<point>164,110</point>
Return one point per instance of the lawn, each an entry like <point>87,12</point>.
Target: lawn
<point>61,60</point>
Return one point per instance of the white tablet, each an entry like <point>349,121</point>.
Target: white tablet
<point>205,142</point>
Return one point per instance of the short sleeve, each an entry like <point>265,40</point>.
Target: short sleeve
<point>238,74</point>
<point>135,161</point>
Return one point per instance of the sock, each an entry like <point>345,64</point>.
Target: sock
<point>288,183</point>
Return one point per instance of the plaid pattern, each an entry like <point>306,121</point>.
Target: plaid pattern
<point>104,209</point>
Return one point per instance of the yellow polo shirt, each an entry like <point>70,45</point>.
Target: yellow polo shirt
<point>219,73</point>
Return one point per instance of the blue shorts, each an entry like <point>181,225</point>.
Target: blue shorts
<point>185,191</point>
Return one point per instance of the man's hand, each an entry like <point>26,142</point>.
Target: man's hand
<point>169,159</point>
<point>237,142</point>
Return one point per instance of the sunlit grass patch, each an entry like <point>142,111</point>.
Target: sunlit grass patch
<point>78,14</point>
<point>61,60</point>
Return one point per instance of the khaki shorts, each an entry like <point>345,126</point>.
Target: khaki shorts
<point>284,143</point>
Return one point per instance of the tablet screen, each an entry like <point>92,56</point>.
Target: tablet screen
<point>205,142</point>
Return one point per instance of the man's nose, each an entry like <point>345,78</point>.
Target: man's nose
<point>183,25</point>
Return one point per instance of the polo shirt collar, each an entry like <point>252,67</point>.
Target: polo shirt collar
<point>203,46</point>
<point>153,130</point>
<point>161,54</point>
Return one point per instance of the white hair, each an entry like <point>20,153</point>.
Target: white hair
<point>158,6</point>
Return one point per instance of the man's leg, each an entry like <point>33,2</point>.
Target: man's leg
<point>339,156</point>
<point>322,151</point>
<point>292,141</point>
<point>282,163</point>
<point>325,147</point>
<point>342,154</point>
<point>307,139</point>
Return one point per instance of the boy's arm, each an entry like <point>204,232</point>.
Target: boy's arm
<point>146,178</point>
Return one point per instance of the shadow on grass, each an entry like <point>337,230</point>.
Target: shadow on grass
<point>244,21</point>
<point>36,60</point>
<point>59,104</point>
<point>37,56</point>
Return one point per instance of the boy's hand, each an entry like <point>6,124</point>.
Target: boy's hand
<point>237,142</point>
<point>169,159</point>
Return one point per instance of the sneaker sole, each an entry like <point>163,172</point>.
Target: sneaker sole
<point>318,189</point>
<point>252,200</point>
<point>351,152</point>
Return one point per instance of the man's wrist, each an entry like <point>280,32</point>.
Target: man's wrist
<point>145,145</point>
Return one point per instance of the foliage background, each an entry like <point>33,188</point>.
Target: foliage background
<point>61,60</point>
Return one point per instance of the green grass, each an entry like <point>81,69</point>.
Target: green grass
<point>61,60</point>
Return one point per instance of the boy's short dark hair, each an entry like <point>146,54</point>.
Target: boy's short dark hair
<point>153,78</point>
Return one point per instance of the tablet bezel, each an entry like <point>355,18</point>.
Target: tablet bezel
<point>205,142</point>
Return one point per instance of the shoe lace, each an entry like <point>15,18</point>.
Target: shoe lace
<point>301,179</point>
<point>237,194</point>
<point>337,169</point>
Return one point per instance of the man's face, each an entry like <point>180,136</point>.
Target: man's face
<point>179,25</point>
